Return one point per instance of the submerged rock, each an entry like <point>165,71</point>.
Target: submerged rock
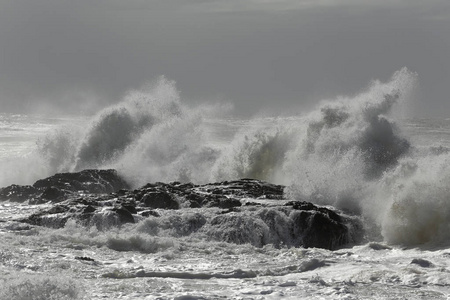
<point>422,262</point>
<point>212,211</point>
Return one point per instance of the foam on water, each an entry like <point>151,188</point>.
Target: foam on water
<point>137,262</point>
<point>26,287</point>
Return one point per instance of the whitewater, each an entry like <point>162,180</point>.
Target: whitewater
<point>361,154</point>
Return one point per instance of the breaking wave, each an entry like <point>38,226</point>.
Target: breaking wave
<point>349,152</point>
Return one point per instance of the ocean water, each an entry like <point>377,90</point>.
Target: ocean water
<point>361,154</point>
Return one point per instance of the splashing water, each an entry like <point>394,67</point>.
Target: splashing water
<point>348,144</point>
<point>349,153</point>
<point>353,157</point>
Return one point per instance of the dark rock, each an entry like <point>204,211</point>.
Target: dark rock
<point>252,204</point>
<point>84,258</point>
<point>124,215</point>
<point>58,209</point>
<point>220,201</point>
<point>100,198</point>
<point>62,185</point>
<point>53,193</point>
<point>159,200</point>
<point>301,205</point>
<point>316,228</point>
<point>47,219</point>
<point>249,188</point>
<point>130,207</point>
<point>17,193</point>
<point>122,192</point>
<point>195,200</point>
<point>229,203</point>
<point>90,181</point>
<point>377,246</point>
<point>422,262</point>
<point>282,225</point>
<point>88,209</point>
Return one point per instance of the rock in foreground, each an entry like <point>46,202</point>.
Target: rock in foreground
<point>241,211</point>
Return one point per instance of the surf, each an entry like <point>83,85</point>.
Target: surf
<point>350,152</point>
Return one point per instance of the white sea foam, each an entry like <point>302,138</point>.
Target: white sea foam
<point>137,262</point>
<point>25,287</point>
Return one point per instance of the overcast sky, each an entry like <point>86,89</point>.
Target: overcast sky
<point>257,54</point>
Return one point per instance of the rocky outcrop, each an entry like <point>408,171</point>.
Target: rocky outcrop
<point>19,193</point>
<point>318,226</point>
<point>64,185</point>
<point>240,211</point>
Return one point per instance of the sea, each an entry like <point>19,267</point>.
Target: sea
<point>361,154</point>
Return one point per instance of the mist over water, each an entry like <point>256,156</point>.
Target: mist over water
<point>349,152</point>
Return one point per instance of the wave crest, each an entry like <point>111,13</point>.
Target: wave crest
<point>349,153</point>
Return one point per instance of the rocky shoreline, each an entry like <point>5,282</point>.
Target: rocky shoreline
<point>240,211</point>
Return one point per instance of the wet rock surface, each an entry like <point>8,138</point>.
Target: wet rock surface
<point>63,185</point>
<point>240,211</point>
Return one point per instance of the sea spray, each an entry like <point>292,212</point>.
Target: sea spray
<point>177,146</point>
<point>57,149</point>
<point>149,136</point>
<point>152,136</point>
<point>417,199</point>
<point>347,144</point>
<point>349,153</point>
<point>353,156</point>
<point>257,152</point>
<point>115,128</point>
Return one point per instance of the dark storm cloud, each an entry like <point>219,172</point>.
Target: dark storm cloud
<point>256,53</point>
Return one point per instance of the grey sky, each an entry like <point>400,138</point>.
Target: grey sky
<point>257,54</point>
